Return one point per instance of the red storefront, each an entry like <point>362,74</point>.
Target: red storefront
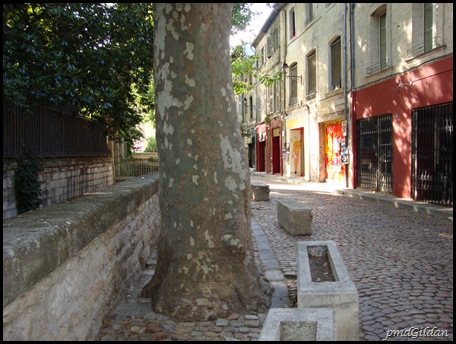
<point>261,137</point>
<point>393,102</point>
<point>269,147</point>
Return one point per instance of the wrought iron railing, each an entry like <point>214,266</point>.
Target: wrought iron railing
<point>134,168</point>
<point>47,132</point>
<point>424,47</point>
<point>377,67</point>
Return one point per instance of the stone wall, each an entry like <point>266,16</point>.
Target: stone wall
<point>65,265</point>
<point>61,179</point>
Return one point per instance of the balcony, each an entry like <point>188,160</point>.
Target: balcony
<point>378,67</point>
<point>424,47</point>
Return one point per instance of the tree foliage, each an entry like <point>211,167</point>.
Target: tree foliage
<point>245,74</point>
<point>93,58</point>
<point>242,14</point>
<point>243,66</point>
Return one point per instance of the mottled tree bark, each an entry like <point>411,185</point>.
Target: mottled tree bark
<point>206,265</point>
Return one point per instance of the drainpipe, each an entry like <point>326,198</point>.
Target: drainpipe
<point>345,88</point>
<point>352,78</point>
<point>284,126</point>
<point>309,170</point>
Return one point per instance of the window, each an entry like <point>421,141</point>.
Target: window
<point>251,107</point>
<point>379,33</point>
<point>427,29</point>
<point>336,70</point>
<point>292,23</point>
<point>258,108</point>
<point>261,58</point>
<point>293,80</point>
<point>273,42</point>
<point>309,13</point>
<point>428,26</point>
<point>271,107</point>
<point>276,96</point>
<point>311,75</point>
<point>382,41</point>
<point>273,97</point>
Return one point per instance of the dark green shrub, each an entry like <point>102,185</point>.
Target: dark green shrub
<point>27,187</point>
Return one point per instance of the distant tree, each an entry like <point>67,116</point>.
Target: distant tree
<point>241,67</point>
<point>206,265</point>
<point>242,15</point>
<point>151,145</point>
<point>94,58</point>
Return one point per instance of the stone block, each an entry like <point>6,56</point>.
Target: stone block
<point>339,294</point>
<point>260,192</point>
<point>299,324</point>
<point>294,217</point>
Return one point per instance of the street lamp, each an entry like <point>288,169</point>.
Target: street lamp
<point>285,67</point>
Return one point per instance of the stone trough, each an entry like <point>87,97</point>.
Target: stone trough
<point>328,285</point>
<point>299,324</point>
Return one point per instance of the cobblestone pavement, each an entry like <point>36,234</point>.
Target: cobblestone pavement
<point>400,261</point>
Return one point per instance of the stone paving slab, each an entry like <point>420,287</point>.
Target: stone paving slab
<point>400,260</point>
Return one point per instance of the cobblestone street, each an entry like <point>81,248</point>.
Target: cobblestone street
<point>400,261</point>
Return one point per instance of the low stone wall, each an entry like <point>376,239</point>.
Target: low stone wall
<point>61,179</point>
<point>65,265</point>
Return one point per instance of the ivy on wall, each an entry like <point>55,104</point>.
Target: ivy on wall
<point>27,186</point>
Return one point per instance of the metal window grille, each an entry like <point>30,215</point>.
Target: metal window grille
<point>432,154</point>
<point>374,165</point>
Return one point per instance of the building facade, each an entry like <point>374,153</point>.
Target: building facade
<point>402,100</point>
<point>365,97</point>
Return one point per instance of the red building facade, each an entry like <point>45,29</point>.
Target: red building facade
<point>398,105</point>
<point>269,147</point>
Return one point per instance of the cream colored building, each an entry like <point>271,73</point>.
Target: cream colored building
<point>357,80</point>
<point>315,97</point>
<point>304,42</point>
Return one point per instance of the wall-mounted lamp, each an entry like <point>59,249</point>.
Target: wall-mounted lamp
<point>285,67</point>
<point>244,101</point>
<point>399,85</point>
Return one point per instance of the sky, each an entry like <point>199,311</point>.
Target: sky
<point>255,25</point>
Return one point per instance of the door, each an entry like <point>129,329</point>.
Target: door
<point>261,156</point>
<point>276,154</point>
<point>374,150</point>
<point>297,151</point>
<point>432,154</point>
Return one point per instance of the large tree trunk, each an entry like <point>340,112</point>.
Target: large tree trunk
<point>206,265</point>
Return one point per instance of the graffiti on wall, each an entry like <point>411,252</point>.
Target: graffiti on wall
<point>335,170</point>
